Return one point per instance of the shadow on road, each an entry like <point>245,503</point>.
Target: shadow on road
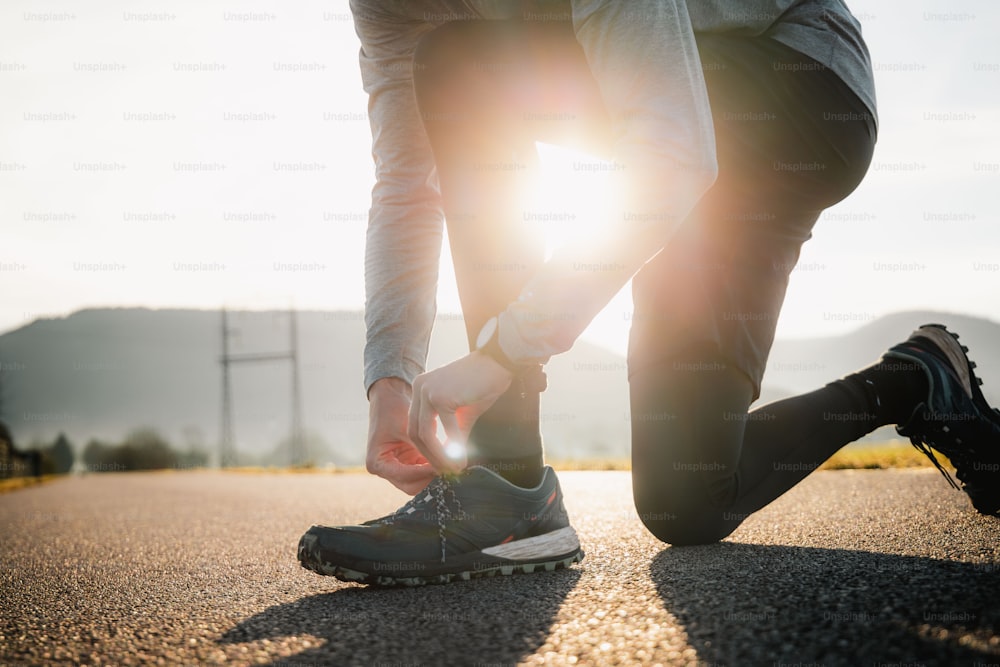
<point>498,620</point>
<point>743,603</point>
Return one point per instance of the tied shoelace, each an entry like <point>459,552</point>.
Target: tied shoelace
<point>921,446</point>
<point>960,459</point>
<point>439,497</point>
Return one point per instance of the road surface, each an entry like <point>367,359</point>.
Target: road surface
<point>849,568</point>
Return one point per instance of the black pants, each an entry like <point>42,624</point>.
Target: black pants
<point>791,140</point>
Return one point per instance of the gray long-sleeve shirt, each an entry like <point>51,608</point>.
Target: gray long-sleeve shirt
<point>662,124</point>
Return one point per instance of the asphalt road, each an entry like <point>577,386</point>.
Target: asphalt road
<point>850,568</point>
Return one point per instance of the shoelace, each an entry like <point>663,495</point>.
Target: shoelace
<point>440,495</point>
<point>918,442</point>
<point>958,457</point>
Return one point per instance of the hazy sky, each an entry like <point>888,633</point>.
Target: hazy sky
<point>195,154</point>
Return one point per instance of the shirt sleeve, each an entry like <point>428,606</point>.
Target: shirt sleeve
<point>645,60</point>
<point>405,222</point>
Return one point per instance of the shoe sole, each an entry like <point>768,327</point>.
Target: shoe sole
<point>954,352</point>
<point>353,576</point>
<point>957,356</point>
<point>528,551</point>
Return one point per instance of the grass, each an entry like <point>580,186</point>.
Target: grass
<point>893,454</point>
<point>874,456</point>
<point>15,483</point>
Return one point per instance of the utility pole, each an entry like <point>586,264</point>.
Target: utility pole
<point>227,453</point>
<point>227,449</point>
<point>3,373</point>
<point>297,452</point>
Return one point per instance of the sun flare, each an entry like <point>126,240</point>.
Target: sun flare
<point>573,196</point>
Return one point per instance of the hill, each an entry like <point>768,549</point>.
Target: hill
<point>99,373</point>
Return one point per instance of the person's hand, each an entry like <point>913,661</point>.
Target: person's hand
<point>391,454</point>
<point>456,394</point>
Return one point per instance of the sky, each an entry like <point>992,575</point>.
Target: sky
<point>208,154</point>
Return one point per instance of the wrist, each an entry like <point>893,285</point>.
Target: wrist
<point>390,386</point>
<point>492,361</point>
<point>529,377</point>
<point>488,344</point>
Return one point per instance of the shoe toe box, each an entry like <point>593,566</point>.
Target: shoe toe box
<point>365,547</point>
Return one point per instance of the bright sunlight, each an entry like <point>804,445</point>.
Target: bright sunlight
<point>573,196</point>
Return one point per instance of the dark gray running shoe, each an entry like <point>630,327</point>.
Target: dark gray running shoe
<point>955,419</point>
<point>473,524</point>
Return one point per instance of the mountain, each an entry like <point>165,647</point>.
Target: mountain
<point>100,373</point>
<point>795,366</point>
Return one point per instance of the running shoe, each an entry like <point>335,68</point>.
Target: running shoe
<point>955,419</point>
<point>473,524</point>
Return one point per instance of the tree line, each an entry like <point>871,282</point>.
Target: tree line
<point>142,449</point>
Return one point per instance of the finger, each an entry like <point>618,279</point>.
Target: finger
<point>411,456</point>
<point>455,439</point>
<point>413,421</point>
<point>407,478</point>
<point>413,488</point>
<point>450,424</point>
<point>448,456</point>
<point>425,434</point>
<point>389,464</point>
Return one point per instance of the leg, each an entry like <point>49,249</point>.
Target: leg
<point>487,90</point>
<point>700,469</point>
<point>706,308</point>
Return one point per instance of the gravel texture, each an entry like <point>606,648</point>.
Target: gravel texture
<point>850,568</point>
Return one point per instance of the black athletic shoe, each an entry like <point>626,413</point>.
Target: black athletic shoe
<point>468,525</point>
<point>955,419</point>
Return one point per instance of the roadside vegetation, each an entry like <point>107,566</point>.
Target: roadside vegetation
<point>873,456</point>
